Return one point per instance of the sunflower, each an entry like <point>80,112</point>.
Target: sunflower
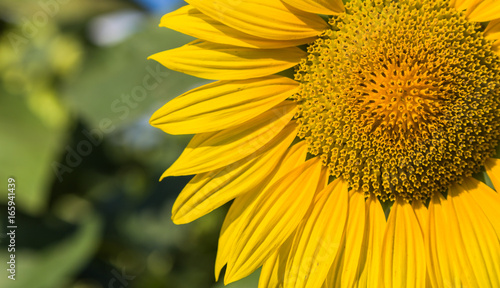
<point>349,136</point>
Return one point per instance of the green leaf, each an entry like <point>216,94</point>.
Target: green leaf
<point>31,141</point>
<point>54,266</point>
<point>250,281</point>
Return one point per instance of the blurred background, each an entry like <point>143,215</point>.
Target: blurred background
<point>76,94</point>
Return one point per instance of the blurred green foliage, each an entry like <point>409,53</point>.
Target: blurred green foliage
<point>74,134</point>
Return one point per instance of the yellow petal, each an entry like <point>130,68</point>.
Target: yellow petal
<point>213,150</point>
<point>295,157</point>
<point>222,104</point>
<point>222,62</point>
<point>232,226</point>
<point>208,191</point>
<point>492,31</point>
<point>423,220</point>
<point>335,275</point>
<point>462,267</point>
<point>272,274</point>
<point>239,213</point>
<point>482,247</point>
<point>492,166</point>
<point>422,215</point>
<point>440,249</point>
<point>372,246</point>
<point>318,6</point>
<point>403,256</point>
<point>274,217</point>
<point>189,20</point>
<point>319,240</point>
<point>344,270</point>
<point>269,273</point>
<point>487,199</point>
<point>486,10</point>
<point>354,236</point>
<point>496,47</point>
<point>468,5</point>
<point>270,19</point>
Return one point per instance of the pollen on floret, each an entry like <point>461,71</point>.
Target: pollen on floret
<point>400,98</point>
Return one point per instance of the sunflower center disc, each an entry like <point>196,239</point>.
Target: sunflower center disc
<point>400,98</point>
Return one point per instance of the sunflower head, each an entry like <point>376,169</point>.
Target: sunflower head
<point>390,100</point>
<point>400,98</point>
